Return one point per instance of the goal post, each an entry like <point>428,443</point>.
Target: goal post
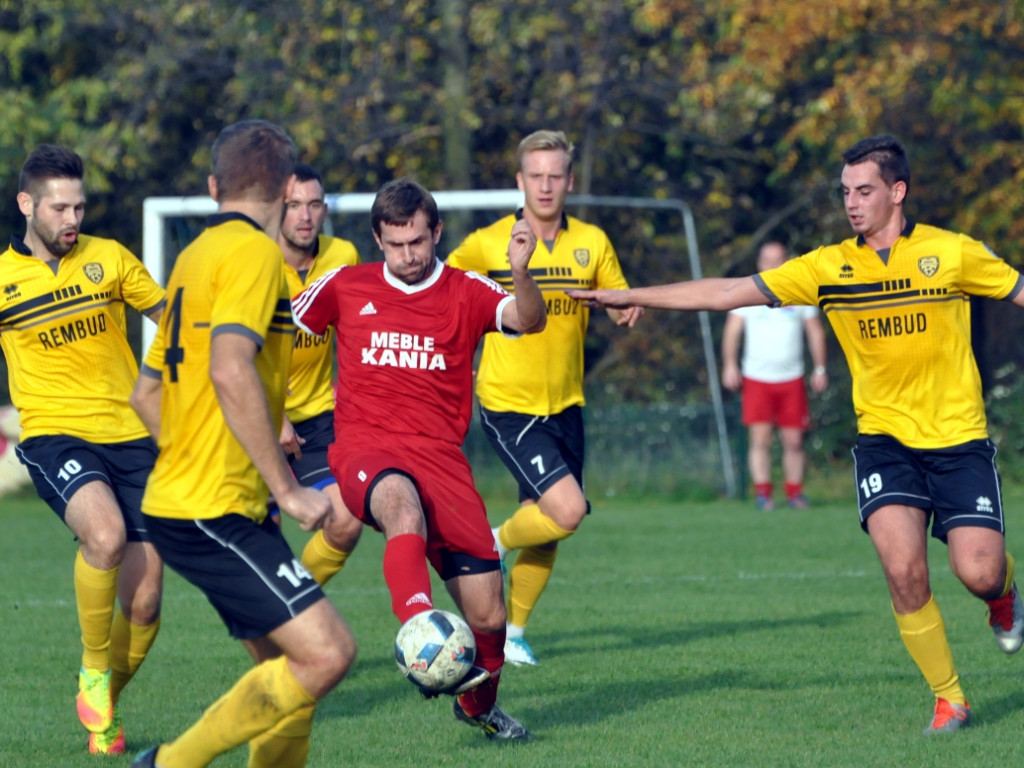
<point>156,245</point>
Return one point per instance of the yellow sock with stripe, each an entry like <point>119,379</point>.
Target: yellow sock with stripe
<point>129,644</point>
<point>924,635</point>
<point>1008,581</point>
<point>321,559</point>
<point>95,594</point>
<point>527,579</point>
<point>263,696</point>
<point>529,527</point>
<point>286,745</point>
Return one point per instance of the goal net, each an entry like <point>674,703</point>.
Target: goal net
<point>665,449</point>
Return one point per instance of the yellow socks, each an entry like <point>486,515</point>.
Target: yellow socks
<point>129,644</point>
<point>529,527</point>
<point>526,581</point>
<point>263,696</point>
<point>924,635</point>
<point>321,559</point>
<point>286,744</point>
<point>95,593</point>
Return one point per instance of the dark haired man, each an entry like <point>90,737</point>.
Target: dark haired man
<point>408,329</point>
<point>62,330</point>
<point>212,392</point>
<point>896,296</point>
<point>308,427</point>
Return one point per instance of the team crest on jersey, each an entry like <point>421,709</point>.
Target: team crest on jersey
<point>928,265</point>
<point>93,271</point>
<point>582,256</point>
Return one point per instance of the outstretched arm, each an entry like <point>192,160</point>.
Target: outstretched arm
<point>713,293</point>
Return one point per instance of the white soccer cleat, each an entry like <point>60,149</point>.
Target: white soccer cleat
<point>1006,617</point>
<point>519,652</point>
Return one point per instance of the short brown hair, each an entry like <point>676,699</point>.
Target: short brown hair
<point>887,152</point>
<point>398,201</point>
<point>540,140</point>
<point>48,161</point>
<point>252,160</point>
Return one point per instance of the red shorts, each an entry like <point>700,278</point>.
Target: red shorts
<point>783,404</point>
<point>456,515</point>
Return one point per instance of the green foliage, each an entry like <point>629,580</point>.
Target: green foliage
<point>741,108</point>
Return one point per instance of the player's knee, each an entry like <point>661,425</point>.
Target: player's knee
<point>144,607</point>
<point>103,547</point>
<point>343,532</point>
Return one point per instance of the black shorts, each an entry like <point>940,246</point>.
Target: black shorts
<point>538,450</point>
<point>245,569</point>
<point>956,486</point>
<point>312,469</point>
<point>59,465</point>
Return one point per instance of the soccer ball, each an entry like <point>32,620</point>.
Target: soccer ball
<point>435,649</point>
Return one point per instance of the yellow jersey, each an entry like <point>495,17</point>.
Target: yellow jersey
<point>63,332</point>
<point>904,324</point>
<point>540,374</point>
<point>311,381</point>
<point>229,280</point>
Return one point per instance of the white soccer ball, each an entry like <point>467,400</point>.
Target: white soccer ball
<point>435,649</point>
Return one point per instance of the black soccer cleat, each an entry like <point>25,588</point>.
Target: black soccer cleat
<point>146,759</point>
<point>495,724</point>
<point>476,677</point>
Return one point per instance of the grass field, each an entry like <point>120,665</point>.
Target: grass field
<point>686,634</point>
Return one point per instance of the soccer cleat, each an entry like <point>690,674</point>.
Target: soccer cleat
<point>519,652</point>
<point>1006,617</point>
<point>494,723</point>
<point>95,709</point>
<point>765,503</point>
<point>949,717</point>
<point>111,741</point>
<point>476,677</point>
<point>146,759</point>
<point>798,502</point>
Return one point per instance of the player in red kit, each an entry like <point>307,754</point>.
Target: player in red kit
<point>407,330</point>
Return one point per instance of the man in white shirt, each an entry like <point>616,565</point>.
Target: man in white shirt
<point>772,382</point>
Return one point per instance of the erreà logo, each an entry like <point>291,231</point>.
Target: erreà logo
<point>9,289</point>
<point>846,271</point>
<point>928,265</point>
<point>93,271</point>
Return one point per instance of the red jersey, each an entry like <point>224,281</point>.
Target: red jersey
<point>405,352</point>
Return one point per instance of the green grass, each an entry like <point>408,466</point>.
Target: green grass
<point>672,634</point>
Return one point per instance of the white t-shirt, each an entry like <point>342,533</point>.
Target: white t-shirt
<point>773,347</point>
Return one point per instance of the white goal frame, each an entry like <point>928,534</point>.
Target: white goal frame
<point>156,210</point>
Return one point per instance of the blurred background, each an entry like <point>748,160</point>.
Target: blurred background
<point>740,108</point>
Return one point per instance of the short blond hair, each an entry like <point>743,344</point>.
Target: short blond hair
<point>540,140</point>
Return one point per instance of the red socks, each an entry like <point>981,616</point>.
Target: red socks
<point>406,574</point>
<point>490,654</point>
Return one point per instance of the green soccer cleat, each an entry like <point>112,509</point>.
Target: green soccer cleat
<point>495,724</point>
<point>95,709</point>
<point>111,741</point>
<point>949,717</point>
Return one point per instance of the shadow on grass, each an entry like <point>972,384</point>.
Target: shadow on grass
<point>362,692</point>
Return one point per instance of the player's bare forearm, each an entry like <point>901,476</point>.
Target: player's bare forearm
<point>530,312</point>
<point>145,401</point>
<point>246,410</point>
<point>711,293</point>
